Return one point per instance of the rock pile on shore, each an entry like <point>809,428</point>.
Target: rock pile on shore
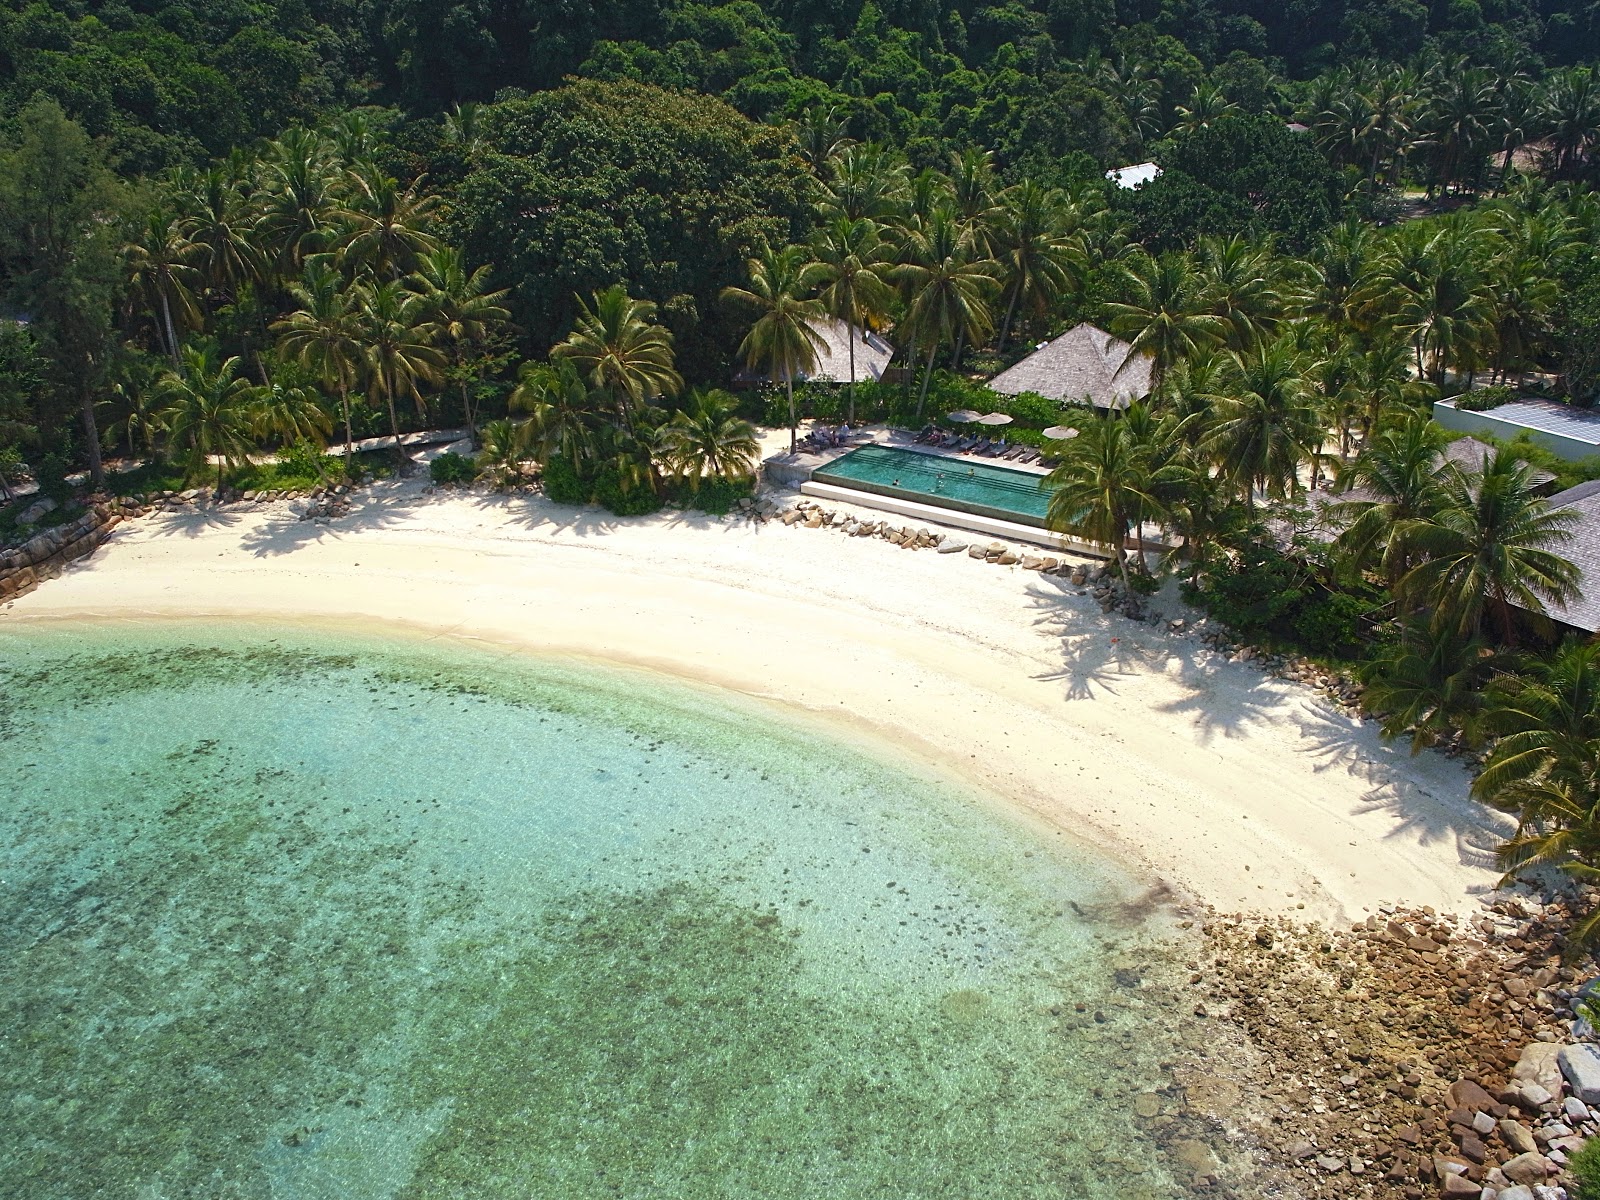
<point>1412,1055</point>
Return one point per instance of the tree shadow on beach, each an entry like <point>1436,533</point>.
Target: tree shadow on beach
<point>283,531</point>
<point>193,522</point>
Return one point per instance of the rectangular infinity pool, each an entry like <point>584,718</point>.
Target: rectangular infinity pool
<point>963,484</point>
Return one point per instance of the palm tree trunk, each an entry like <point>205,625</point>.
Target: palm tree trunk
<point>850,388</point>
<point>794,421</point>
<point>349,434</point>
<point>169,330</point>
<point>927,377</point>
<point>961,344</point>
<point>394,420</point>
<point>91,435</point>
<point>1011,311</point>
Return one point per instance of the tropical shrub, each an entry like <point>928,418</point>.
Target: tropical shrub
<point>451,467</point>
<point>624,501</point>
<point>1332,624</point>
<point>563,484</point>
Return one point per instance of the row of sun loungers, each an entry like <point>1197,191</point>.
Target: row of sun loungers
<point>981,446</point>
<point>823,438</point>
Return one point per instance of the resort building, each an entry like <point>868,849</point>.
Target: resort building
<point>1583,551</point>
<point>1135,176</point>
<point>1085,365</point>
<point>1573,433</point>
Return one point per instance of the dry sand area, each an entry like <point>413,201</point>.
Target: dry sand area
<point>1237,789</point>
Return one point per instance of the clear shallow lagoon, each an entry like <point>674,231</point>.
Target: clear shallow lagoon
<point>292,915</point>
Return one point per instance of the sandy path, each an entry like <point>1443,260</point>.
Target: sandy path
<point>1245,791</point>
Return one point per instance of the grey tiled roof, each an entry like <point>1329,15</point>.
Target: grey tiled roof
<point>1547,416</point>
<point>1468,453</point>
<point>1084,363</point>
<point>1584,552</point>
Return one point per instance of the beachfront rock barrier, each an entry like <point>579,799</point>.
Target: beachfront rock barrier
<point>23,567</point>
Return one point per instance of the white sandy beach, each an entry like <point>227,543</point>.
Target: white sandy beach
<point>1243,791</point>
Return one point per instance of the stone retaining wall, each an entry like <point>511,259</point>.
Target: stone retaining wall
<point>42,557</point>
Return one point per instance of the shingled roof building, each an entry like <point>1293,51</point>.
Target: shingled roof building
<point>1084,364</point>
<point>1584,552</point>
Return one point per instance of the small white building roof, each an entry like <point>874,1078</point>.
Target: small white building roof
<point>1134,176</point>
<point>1083,364</point>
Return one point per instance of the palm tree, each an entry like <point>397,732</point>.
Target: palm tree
<point>1545,767</point>
<point>215,218</point>
<point>783,342</point>
<point>1430,684</point>
<point>822,132</point>
<point>1102,481</point>
<point>325,334</point>
<point>299,214</point>
<point>865,182</point>
<point>1572,115</point>
<point>1163,313</point>
<point>1489,547</point>
<point>387,226</point>
<point>948,285</point>
<point>505,446</point>
<point>622,351</point>
<point>1038,256</point>
<point>160,266</point>
<point>462,127</point>
<point>209,409</point>
<point>398,349</point>
<point>851,269</point>
<point>1401,476</point>
<point>707,441</point>
<point>292,413</point>
<point>1238,286</point>
<point>460,309</point>
<point>1207,105</point>
<point>562,410</point>
<point>1460,122</point>
<point>1265,421</point>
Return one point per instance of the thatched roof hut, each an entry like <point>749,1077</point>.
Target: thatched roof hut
<point>1083,364</point>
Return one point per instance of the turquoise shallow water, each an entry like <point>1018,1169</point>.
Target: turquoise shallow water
<point>299,915</point>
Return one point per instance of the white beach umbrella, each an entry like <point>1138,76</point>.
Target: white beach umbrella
<point>994,419</point>
<point>962,416</point>
<point>1060,433</point>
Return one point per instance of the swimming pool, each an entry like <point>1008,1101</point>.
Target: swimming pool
<point>957,483</point>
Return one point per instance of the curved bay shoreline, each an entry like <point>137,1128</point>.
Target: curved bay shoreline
<point>1245,792</point>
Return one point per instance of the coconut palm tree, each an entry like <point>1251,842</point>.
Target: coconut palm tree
<point>1238,285</point>
<point>209,410</point>
<point>460,310</point>
<point>621,351</point>
<point>948,285</point>
<point>1038,256</point>
<point>325,335</point>
<point>1572,116</point>
<point>1490,545</point>
<point>160,266</point>
<point>506,444</point>
<point>291,412</point>
<point>783,341</point>
<point>299,200</point>
<point>387,226</point>
<point>707,441</point>
<point>852,262</point>
<point>822,131</point>
<point>1162,313</point>
<point>1430,684</point>
<point>1102,481</point>
<point>864,182</point>
<point>1400,476</point>
<point>1207,105</point>
<point>1266,421</point>
<point>216,219</point>
<point>562,410</point>
<point>398,349</point>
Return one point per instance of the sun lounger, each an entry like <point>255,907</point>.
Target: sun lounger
<point>982,447</point>
<point>1031,455</point>
<point>1016,451</point>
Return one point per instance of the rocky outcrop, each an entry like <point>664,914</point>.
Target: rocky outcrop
<point>23,567</point>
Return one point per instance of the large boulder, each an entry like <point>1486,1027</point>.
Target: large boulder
<point>1539,1064</point>
<point>1581,1066</point>
<point>1526,1168</point>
